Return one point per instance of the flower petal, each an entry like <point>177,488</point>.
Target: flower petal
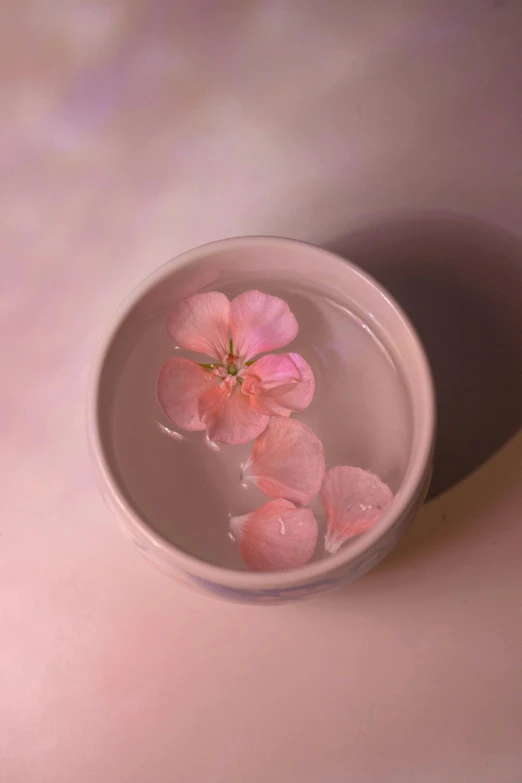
<point>260,323</point>
<point>287,461</point>
<point>302,395</point>
<point>276,536</point>
<point>181,382</point>
<point>228,415</point>
<point>354,500</point>
<point>280,401</point>
<point>202,323</point>
<point>272,374</point>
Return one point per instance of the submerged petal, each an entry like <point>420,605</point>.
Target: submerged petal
<point>181,382</point>
<point>259,323</point>
<point>281,401</point>
<point>287,461</point>
<point>354,500</point>
<point>276,536</point>
<point>202,323</point>
<point>228,415</point>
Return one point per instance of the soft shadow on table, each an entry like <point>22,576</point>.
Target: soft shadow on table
<point>460,282</point>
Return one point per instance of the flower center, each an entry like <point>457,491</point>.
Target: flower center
<point>230,367</point>
<point>230,362</point>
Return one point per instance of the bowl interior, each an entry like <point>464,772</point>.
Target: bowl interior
<point>368,408</point>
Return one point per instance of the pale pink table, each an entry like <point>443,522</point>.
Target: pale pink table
<point>130,132</point>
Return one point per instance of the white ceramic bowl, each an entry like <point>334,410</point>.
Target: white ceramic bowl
<point>246,259</point>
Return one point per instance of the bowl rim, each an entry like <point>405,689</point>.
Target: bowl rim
<point>415,476</point>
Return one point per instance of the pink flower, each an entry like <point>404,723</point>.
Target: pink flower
<point>233,396</point>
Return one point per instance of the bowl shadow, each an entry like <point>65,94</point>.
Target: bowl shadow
<point>460,282</point>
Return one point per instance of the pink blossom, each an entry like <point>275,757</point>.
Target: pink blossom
<point>233,396</point>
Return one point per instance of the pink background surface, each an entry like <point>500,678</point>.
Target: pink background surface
<point>129,133</point>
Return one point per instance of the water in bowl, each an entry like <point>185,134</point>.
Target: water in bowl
<point>188,488</point>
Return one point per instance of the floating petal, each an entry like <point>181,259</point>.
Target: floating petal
<point>181,382</point>
<point>202,323</point>
<point>287,461</point>
<point>276,536</point>
<point>280,401</point>
<point>272,374</point>
<point>260,323</point>
<point>228,415</point>
<point>354,501</point>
